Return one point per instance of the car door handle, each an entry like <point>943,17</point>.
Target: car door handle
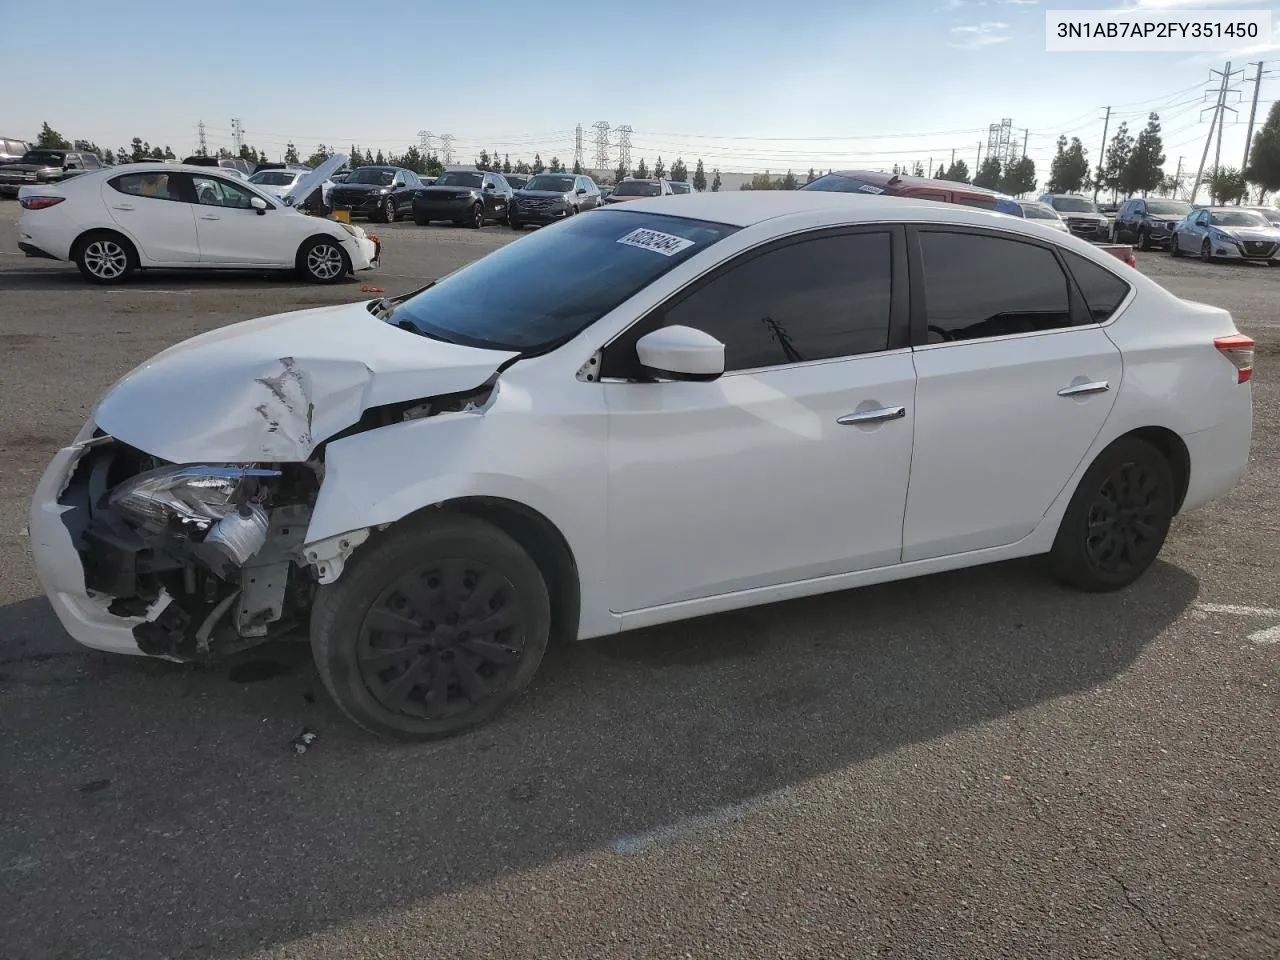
<point>122,206</point>
<point>879,415</point>
<point>209,216</point>
<point>1081,389</point>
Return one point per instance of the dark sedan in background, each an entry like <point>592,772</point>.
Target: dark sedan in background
<point>379,193</point>
<point>471,197</point>
<point>549,197</point>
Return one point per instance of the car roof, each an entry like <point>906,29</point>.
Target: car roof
<point>742,208</point>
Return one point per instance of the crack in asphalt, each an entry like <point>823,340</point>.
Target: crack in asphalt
<point>1128,898</point>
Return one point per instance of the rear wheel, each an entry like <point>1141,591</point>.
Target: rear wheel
<point>432,630</point>
<point>1117,520</point>
<point>420,220</point>
<point>105,258</point>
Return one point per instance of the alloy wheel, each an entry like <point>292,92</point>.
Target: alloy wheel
<point>106,259</point>
<point>478,216</point>
<point>441,639</point>
<point>389,210</point>
<point>324,261</point>
<point>1124,519</point>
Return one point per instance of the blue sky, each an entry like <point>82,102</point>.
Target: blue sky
<point>744,84</point>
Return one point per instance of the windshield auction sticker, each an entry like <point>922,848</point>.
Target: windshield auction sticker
<point>1146,28</point>
<point>663,243</point>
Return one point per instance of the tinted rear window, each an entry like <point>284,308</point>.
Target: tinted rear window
<point>637,188</point>
<point>1103,290</point>
<point>549,286</point>
<point>46,157</point>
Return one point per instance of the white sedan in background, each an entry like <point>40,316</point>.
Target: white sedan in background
<point>673,407</point>
<point>1226,233</point>
<point>281,182</point>
<point>154,215</point>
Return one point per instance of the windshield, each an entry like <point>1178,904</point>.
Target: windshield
<point>43,157</point>
<point>459,179</point>
<point>375,175</point>
<point>836,183</point>
<point>1237,218</point>
<point>274,178</point>
<point>551,182</point>
<point>547,288</point>
<point>1169,208</point>
<point>1073,205</point>
<point>637,188</point>
<point>517,183</point>
<point>1039,211</point>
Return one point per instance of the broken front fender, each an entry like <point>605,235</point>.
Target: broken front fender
<point>274,388</point>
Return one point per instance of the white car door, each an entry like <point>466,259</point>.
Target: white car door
<point>231,232</point>
<point>794,464</point>
<point>152,209</point>
<point>1015,381</point>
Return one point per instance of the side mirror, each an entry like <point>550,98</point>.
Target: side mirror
<point>258,204</point>
<point>681,353</point>
<point>72,166</point>
<point>582,191</point>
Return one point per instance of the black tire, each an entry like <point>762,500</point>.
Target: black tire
<point>436,562</point>
<point>1205,255</point>
<point>388,212</point>
<point>1117,520</point>
<point>1144,240</point>
<point>477,217</point>
<point>105,257</point>
<point>514,223</point>
<point>322,260</point>
<point>420,221</point>
<point>1173,246</point>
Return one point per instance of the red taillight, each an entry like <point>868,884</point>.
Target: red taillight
<point>39,203</point>
<point>1239,350</point>
<point>1132,261</point>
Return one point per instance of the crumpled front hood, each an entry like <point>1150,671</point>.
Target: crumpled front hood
<point>274,388</point>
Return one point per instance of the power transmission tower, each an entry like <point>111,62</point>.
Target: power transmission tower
<point>424,140</point>
<point>446,147</point>
<point>624,147</point>
<point>1000,141</point>
<point>602,144</point>
<point>1102,156</point>
<point>237,134</point>
<point>1218,108</point>
<point>1253,110</point>
<point>204,141</point>
<point>577,147</point>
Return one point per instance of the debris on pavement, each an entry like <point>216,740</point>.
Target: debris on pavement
<point>303,740</point>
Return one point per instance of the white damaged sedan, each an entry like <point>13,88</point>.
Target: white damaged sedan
<point>144,216</point>
<point>673,407</point>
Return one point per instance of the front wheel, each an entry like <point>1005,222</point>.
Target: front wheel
<point>1205,255</point>
<point>105,258</point>
<point>322,260</point>
<point>477,217</point>
<point>420,220</point>
<point>432,630</point>
<point>1117,520</point>
<point>389,212</point>
<point>1144,241</point>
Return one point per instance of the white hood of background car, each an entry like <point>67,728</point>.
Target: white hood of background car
<point>272,389</point>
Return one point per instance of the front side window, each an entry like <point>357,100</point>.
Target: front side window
<point>1103,291</point>
<point>534,295</point>
<point>812,300</point>
<point>216,192</point>
<point>156,186</point>
<point>981,286</point>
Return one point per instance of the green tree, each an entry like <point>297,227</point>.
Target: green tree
<point>522,166</point>
<point>1264,155</point>
<point>764,181</point>
<point>380,159</point>
<point>537,166</point>
<point>699,177</point>
<point>642,172</point>
<point>789,182</point>
<point>1018,177</point>
<point>659,171</point>
<point>122,155</point>
<point>941,174</point>
<point>50,137</point>
<point>679,172</point>
<point>368,157</point>
<point>958,172</point>
<point>432,166</point>
<point>556,166</point>
<point>483,162</point>
<point>1227,185</point>
<point>988,174</point>
<point>811,177</point>
<point>1144,171</point>
<point>318,157</point>
<point>138,150</point>
<point>291,153</point>
<point>715,179</point>
<point>577,167</point>
<point>918,170</point>
<point>1111,175</point>
<point>620,174</point>
<point>1069,170</point>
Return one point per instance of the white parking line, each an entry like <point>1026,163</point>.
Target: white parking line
<point>1237,611</point>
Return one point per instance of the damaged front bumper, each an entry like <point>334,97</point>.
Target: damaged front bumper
<point>124,586</point>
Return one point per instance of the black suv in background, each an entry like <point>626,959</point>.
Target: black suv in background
<point>45,165</point>
<point>1148,223</point>
<point>553,196</point>
<point>470,197</point>
<point>379,193</point>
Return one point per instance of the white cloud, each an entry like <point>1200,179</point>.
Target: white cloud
<point>977,35</point>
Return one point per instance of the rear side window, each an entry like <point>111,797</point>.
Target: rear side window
<point>1103,291</point>
<point>814,300</point>
<point>157,186</point>
<point>980,286</point>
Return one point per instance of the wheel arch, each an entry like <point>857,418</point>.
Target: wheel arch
<point>538,537</point>
<point>1174,449</point>
<point>302,248</point>
<point>84,236</point>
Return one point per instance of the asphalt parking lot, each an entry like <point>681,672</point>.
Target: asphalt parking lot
<point>979,764</point>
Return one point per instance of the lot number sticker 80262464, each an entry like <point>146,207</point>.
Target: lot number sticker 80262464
<point>663,243</point>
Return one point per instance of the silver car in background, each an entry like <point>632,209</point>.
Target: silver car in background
<point>1227,233</point>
